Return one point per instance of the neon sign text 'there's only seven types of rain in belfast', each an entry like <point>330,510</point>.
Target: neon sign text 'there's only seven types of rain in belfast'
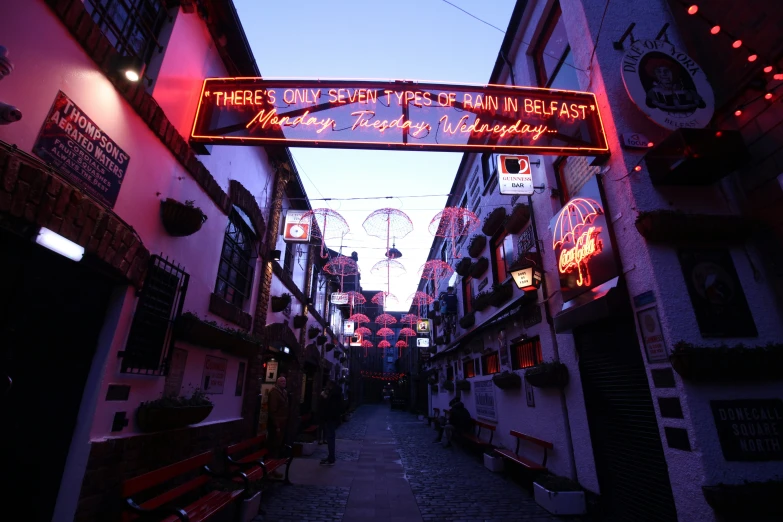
<point>398,115</point>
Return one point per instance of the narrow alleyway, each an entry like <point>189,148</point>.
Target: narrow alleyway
<point>388,470</point>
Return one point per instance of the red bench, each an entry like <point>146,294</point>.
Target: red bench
<point>163,503</point>
<point>250,457</point>
<point>515,457</point>
<point>476,439</point>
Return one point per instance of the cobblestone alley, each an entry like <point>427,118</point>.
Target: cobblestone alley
<point>388,470</point>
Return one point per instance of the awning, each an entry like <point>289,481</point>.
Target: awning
<point>603,301</point>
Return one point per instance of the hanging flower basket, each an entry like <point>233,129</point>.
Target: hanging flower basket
<point>329,347</point>
<point>547,375</point>
<point>321,340</point>
<point>482,301</point>
<point>313,332</point>
<point>751,500</point>
<point>507,381</point>
<point>181,219</point>
<point>500,294</point>
<point>280,302</point>
<point>434,388</point>
<point>190,328</point>
<point>478,268</point>
<point>738,363</point>
<point>463,385</point>
<point>463,267</point>
<point>171,413</point>
<point>300,321</point>
<point>467,320</point>
<point>666,226</point>
<point>494,221</point>
<point>448,386</point>
<point>476,246</point>
<point>518,219</point>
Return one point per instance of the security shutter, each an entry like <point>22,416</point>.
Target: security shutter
<point>630,464</point>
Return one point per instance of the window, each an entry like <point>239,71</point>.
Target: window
<point>235,273</point>
<point>502,256</point>
<point>449,373</point>
<point>489,165</point>
<point>469,368</point>
<point>526,354</point>
<point>490,363</point>
<point>572,174</point>
<point>552,55</point>
<point>467,295</point>
<point>288,259</point>
<point>132,26</point>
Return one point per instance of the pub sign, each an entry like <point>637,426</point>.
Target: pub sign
<point>750,429</point>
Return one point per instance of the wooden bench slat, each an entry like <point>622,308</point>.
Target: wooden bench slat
<point>132,486</point>
<point>476,440</point>
<point>239,446</point>
<point>174,493</point>
<point>484,425</point>
<point>207,506</point>
<point>519,460</point>
<point>542,443</point>
<point>310,429</point>
<point>257,455</point>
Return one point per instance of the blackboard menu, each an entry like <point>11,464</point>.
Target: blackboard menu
<point>750,429</point>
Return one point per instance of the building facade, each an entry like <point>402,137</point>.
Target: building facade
<point>180,280</point>
<point>658,311</point>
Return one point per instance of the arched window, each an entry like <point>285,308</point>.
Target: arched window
<point>237,260</point>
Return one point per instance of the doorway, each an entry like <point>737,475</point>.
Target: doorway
<point>629,460</point>
<point>51,313</point>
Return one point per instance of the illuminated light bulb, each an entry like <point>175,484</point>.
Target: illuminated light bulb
<point>132,75</point>
<point>768,96</point>
<point>768,69</point>
<point>778,77</point>
<point>637,168</point>
<point>715,29</point>
<point>752,57</point>
<point>718,134</point>
<point>692,10</point>
<point>738,112</point>
<point>737,44</point>
<point>650,144</point>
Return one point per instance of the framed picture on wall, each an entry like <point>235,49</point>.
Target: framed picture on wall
<point>531,400</point>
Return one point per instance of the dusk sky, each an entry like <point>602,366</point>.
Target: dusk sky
<point>402,40</point>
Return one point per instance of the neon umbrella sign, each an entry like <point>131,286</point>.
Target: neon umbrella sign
<point>577,237</point>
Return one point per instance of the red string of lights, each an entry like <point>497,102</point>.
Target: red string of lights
<point>382,376</point>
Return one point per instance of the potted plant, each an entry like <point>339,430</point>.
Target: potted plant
<point>321,340</point>
<point>547,375</point>
<point>169,413</point>
<point>329,347</point>
<point>481,301</point>
<point>300,321</point>
<point>507,380</point>
<point>463,267</point>
<point>559,495</point>
<point>477,244</point>
<point>724,363</point>
<point>500,294</point>
<point>467,320</point>
<point>188,327</point>
<point>463,385</point>
<point>181,219</point>
<point>280,302</point>
<point>313,332</point>
<point>494,221</point>
<point>493,462</point>
<point>251,503</point>
<point>478,268</point>
<point>519,217</point>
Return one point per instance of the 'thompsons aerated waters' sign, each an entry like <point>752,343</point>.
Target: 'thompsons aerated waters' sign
<point>398,115</point>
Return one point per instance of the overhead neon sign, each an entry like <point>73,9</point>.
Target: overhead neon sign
<point>398,115</point>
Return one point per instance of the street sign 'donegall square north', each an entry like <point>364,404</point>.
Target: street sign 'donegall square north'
<point>401,115</point>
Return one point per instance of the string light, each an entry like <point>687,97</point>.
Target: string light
<point>737,44</point>
<point>752,57</point>
<point>738,112</point>
<point>768,69</point>
<point>715,29</point>
<point>637,168</point>
<point>692,10</point>
<point>768,96</point>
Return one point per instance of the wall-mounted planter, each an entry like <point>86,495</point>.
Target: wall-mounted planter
<point>726,364</point>
<point>481,302</point>
<point>478,268</point>
<point>300,321</point>
<point>500,294</point>
<point>329,347</point>
<point>280,302</point>
<point>463,385</point>
<point>507,381</point>
<point>250,508</point>
<point>665,226</point>
<point>476,246</point>
<point>448,386</point>
<point>150,418</point>
<point>181,219</point>
<point>467,320</point>
<point>463,267</point>
<point>547,375</point>
<point>518,219</point>
<point>191,329</point>
<point>313,332</point>
<point>749,501</point>
<point>321,340</point>
<point>494,221</point>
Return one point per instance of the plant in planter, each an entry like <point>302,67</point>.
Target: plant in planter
<point>481,301</point>
<point>547,375</point>
<point>467,320</point>
<point>329,347</point>
<point>494,221</point>
<point>478,268</point>
<point>169,413</point>
<point>321,340</point>
<point>434,388</point>
<point>313,332</point>
<point>507,381</point>
<point>500,294</point>
<point>300,321</point>
<point>281,302</point>
<point>463,385</point>
<point>519,217</point>
<point>448,386</point>
<point>724,363</point>
<point>559,495</point>
<point>463,267</point>
<point>189,327</point>
<point>477,244</point>
<point>181,219</point>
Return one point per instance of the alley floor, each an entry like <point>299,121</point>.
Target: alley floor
<point>388,470</point>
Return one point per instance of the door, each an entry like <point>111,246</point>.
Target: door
<point>51,312</point>
<point>630,464</point>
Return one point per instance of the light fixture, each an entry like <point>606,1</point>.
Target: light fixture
<point>528,278</point>
<point>57,243</point>
<point>692,10</point>
<point>768,69</point>
<point>737,44</point>
<point>768,96</point>
<point>778,77</point>
<point>715,29</point>
<point>275,254</point>
<point>753,57</point>
<point>738,112</point>
<point>286,349</point>
<point>131,68</point>
<point>638,168</point>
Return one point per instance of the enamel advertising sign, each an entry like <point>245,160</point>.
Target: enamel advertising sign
<point>515,175</point>
<point>401,115</point>
<point>294,229</point>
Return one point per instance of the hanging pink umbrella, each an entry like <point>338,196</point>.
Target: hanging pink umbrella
<point>575,215</point>
<point>408,332</point>
<point>453,222</point>
<point>420,299</point>
<point>385,319</point>
<point>366,345</point>
<point>400,345</point>
<point>385,332</point>
<point>359,318</point>
<point>435,270</point>
<point>384,344</point>
<point>382,298</point>
<point>327,224</point>
<point>410,319</point>
<point>386,223</point>
<point>355,298</point>
<point>363,330</point>
<point>342,266</point>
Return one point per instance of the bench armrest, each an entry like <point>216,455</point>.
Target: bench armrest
<point>163,510</point>
<point>237,474</point>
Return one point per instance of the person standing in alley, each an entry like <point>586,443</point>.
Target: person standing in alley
<point>278,416</point>
<point>332,411</point>
<point>322,400</point>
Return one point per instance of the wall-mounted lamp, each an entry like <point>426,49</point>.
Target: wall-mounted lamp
<point>286,349</point>
<point>131,68</point>
<point>57,243</point>
<point>528,278</point>
<point>275,255</point>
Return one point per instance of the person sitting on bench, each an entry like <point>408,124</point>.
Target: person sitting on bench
<point>458,422</point>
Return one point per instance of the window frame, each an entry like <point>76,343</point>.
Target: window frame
<point>499,240</point>
<point>536,356</point>
<point>550,25</point>
<point>484,363</point>
<point>489,167</point>
<point>251,238</point>
<point>467,295</point>
<point>469,364</point>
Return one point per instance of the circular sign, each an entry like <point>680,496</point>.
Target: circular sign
<point>296,231</point>
<point>667,85</point>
